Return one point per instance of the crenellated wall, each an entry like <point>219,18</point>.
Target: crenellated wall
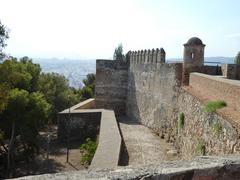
<point>154,93</point>
<point>147,56</point>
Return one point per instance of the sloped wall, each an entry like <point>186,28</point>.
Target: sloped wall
<point>156,99</point>
<point>153,89</point>
<point>150,92</point>
<point>204,133</point>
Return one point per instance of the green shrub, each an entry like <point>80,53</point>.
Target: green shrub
<point>237,58</point>
<point>181,120</point>
<point>88,150</point>
<point>217,128</point>
<point>86,93</point>
<point>212,106</point>
<point>201,147</point>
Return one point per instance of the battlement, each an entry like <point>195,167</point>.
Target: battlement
<point>154,93</point>
<point>147,56</point>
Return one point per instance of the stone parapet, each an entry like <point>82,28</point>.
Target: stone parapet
<point>79,124</point>
<point>207,167</point>
<point>108,151</point>
<point>216,88</point>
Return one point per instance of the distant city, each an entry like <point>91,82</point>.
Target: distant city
<point>76,70</point>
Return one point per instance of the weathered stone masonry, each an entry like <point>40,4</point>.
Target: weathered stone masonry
<point>84,121</point>
<point>78,126</point>
<point>154,95</point>
<point>111,85</point>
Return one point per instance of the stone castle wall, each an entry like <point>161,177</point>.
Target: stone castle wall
<point>78,126</point>
<point>148,90</point>
<point>153,90</point>
<point>231,71</point>
<point>111,85</point>
<point>156,98</point>
<point>203,131</point>
<point>147,56</point>
<point>217,88</point>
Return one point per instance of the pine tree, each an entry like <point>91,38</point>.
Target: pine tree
<point>237,58</point>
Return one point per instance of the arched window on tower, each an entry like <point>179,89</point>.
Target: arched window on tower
<point>192,55</point>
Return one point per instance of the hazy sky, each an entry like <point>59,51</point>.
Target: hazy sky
<point>88,29</point>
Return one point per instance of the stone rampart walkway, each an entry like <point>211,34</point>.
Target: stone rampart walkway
<point>143,146</point>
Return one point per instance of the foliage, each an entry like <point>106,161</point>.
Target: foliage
<point>90,82</point>
<point>23,109</point>
<point>217,128</point>
<point>181,120</point>
<point>88,150</point>
<point>34,70</point>
<point>212,106</point>
<point>89,89</point>
<point>29,100</point>
<point>3,37</point>
<point>86,93</point>
<point>4,89</point>
<point>201,147</point>
<point>21,74</point>
<point>57,92</point>
<point>118,53</point>
<point>237,58</point>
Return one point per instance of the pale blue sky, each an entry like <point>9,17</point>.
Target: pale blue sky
<point>88,29</point>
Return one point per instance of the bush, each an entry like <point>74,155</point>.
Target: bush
<point>88,150</point>
<point>237,58</point>
<point>212,106</point>
<point>181,120</point>
<point>217,128</point>
<point>86,93</point>
<point>201,147</point>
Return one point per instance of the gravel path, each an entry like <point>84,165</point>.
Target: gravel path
<point>143,146</point>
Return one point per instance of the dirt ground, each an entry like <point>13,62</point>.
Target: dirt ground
<point>56,161</point>
<point>142,146</point>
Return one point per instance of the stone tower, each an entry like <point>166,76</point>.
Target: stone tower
<point>193,58</point>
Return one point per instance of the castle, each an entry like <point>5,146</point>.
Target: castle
<point>154,92</point>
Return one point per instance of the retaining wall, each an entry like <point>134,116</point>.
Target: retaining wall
<point>82,123</point>
<point>78,125</point>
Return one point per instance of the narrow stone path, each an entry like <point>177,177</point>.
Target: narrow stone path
<point>142,145</point>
